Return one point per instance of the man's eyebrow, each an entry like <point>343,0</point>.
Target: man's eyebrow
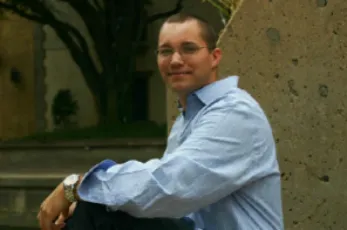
<point>165,45</point>
<point>189,43</point>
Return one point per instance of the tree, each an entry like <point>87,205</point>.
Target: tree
<point>225,7</point>
<point>115,27</point>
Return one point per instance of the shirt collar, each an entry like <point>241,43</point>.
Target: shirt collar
<point>217,89</point>
<point>213,91</point>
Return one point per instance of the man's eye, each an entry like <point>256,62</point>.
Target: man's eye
<point>189,49</point>
<point>165,51</point>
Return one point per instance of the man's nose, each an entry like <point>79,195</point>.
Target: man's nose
<point>176,59</point>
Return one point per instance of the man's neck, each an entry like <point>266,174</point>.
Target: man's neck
<point>182,97</point>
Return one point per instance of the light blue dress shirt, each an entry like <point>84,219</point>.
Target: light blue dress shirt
<point>220,168</point>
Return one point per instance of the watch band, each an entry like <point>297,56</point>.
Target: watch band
<point>69,193</point>
<point>70,187</point>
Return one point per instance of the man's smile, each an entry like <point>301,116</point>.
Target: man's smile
<point>179,73</point>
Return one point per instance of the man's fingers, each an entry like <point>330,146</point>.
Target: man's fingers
<point>60,219</point>
<point>39,214</point>
<point>45,223</point>
<point>72,208</point>
<point>59,226</point>
<point>45,219</point>
<point>64,215</point>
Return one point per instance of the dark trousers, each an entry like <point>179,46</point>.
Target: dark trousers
<point>88,216</point>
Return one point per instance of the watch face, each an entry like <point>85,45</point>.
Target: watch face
<point>70,180</point>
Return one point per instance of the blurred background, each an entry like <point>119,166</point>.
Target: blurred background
<point>79,83</point>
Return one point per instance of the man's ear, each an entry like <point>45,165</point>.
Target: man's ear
<point>216,57</point>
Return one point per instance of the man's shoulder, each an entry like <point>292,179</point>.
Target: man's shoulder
<point>235,98</point>
<point>236,102</point>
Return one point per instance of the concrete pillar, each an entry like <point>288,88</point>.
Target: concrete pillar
<point>291,56</point>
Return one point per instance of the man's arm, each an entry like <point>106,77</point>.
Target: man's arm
<point>224,152</point>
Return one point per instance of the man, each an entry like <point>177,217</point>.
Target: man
<point>220,166</point>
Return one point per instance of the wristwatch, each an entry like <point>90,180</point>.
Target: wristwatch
<point>70,186</point>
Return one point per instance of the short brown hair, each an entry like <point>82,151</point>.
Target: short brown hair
<point>208,34</point>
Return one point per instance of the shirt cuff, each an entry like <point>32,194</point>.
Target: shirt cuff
<point>89,177</point>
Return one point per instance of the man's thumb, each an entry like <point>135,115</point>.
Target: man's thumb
<point>65,213</point>
<point>60,219</point>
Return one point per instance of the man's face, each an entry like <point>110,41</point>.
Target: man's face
<point>184,60</point>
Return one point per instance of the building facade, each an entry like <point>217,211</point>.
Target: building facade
<point>48,67</point>
<point>17,77</point>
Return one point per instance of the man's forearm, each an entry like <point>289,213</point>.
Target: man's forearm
<point>172,189</point>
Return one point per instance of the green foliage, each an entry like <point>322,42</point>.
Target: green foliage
<point>20,6</point>
<point>223,6</point>
<point>63,108</point>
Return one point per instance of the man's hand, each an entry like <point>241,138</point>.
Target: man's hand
<point>60,222</point>
<point>54,205</point>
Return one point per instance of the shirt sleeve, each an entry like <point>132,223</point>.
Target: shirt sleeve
<point>222,154</point>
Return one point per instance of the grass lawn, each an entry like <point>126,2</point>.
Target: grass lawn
<point>134,130</point>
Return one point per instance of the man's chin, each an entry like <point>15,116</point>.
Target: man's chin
<point>180,88</point>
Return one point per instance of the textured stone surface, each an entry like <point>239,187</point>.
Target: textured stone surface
<point>17,101</point>
<point>291,56</point>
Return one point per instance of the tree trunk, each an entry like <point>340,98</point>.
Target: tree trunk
<point>105,102</point>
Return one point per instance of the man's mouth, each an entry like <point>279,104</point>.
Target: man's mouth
<point>179,73</point>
